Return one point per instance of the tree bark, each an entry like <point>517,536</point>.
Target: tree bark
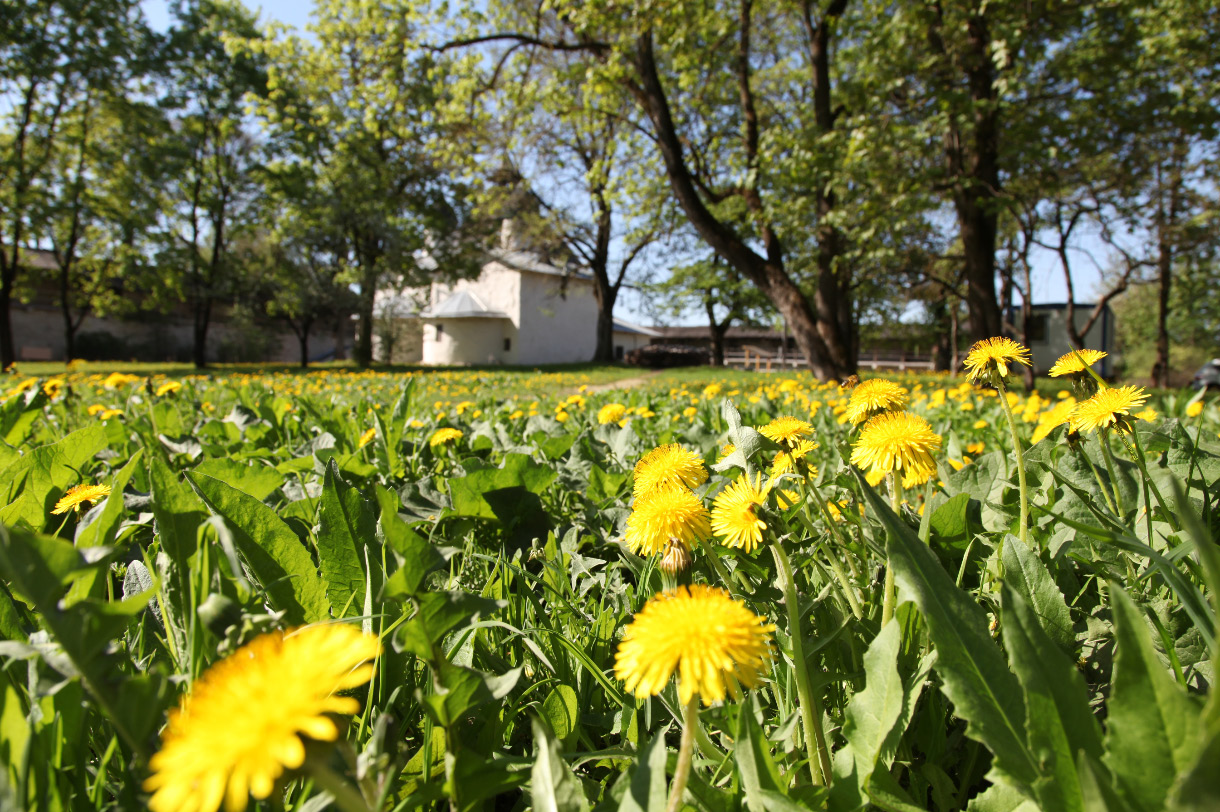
<point>8,350</point>
<point>718,330</point>
<point>203,318</point>
<point>363,352</point>
<point>972,162</point>
<point>766,271</point>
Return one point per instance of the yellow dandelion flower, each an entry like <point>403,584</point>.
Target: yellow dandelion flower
<point>873,397</point>
<point>116,379</point>
<point>1069,364</point>
<point>994,355</point>
<point>79,495</point>
<point>1108,408</point>
<point>1056,416</point>
<point>95,408</point>
<point>109,413</point>
<point>896,441</point>
<point>53,388</point>
<point>786,430</point>
<point>668,466</point>
<point>1147,415</point>
<point>168,387</point>
<point>611,413</point>
<point>663,514</point>
<point>242,725</point>
<point>728,449</point>
<point>785,461</point>
<point>733,513</point>
<point>714,643</point>
<point>712,390</point>
<point>444,437</point>
<point>366,438</point>
<point>1194,409</point>
<point>980,424</point>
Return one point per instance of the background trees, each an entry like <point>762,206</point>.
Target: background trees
<point>853,162</point>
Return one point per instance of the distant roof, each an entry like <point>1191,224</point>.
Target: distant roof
<point>462,305</point>
<point>706,332</point>
<point>624,326</point>
<point>531,262</point>
<point>34,258</point>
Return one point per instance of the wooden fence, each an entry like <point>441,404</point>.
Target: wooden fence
<point>763,361</point>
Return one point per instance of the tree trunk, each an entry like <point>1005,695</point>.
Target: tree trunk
<point>363,353</point>
<point>203,316</point>
<point>767,272</point>
<point>8,350</point>
<point>1164,265</point>
<point>717,331</point>
<point>303,340</point>
<point>605,296</point>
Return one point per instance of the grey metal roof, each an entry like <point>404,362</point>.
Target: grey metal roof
<point>529,261</point>
<point>462,305</point>
<point>623,326</point>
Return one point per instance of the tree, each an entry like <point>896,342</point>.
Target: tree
<point>705,100</point>
<point>213,153</point>
<point>359,109</point>
<point>709,286</point>
<point>99,213</point>
<point>51,54</point>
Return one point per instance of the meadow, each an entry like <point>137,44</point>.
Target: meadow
<point>493,590</point>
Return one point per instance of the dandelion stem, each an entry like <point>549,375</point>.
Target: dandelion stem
<point>849,590</point>
<point>686,748</point>
<point>890,594</point>
<point>811,708</point>
<point>1097,476</point>
<point>1104,438</point>
<point>1019,453</point>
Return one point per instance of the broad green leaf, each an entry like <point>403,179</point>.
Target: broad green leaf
<point>17,414</point>
<point>102,530</point>
<point>178,511</point>
<point>976,677</point>
<point>418,555</point>
<point>254,478</point>
<point>273,552</point>
<point>646,792</point>
<point>1059,721</point>
<point>346,539</point>
<point>34,482</point>
<point>438,614</point>
<point>553,785</point>
<point>1029,578</point>
<point>754,762</point>
<point>561,708</point>
<point>1153,729</point>
<point>871,715</point>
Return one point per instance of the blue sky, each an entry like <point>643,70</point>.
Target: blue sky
<point>1048,282</point>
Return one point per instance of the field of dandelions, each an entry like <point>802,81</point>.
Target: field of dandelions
<point>477,591</point>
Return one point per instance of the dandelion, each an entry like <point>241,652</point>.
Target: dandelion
<point>733,514</point>
<point>1194,409</point>
<point>366,438</point>
<point>1109,408</point>
<point>53,388</point>
<point>242,725</point>
<point>168,387</point>
<point>712,390</point>
<point>664,514</point>
<point>79,495</point>
<point>994,355</point>
<point>728,449</point>
<point>106,414</point>
<point>668,466</point>
<point>786,430</point>
<point>896,441</point>
<point>1069,365</point>
<point>785,461</point>
<point>713,642</point>
<point>444,436</point>
<point>873,397</point>
<point>1050,419</point>
<point>611,413</point>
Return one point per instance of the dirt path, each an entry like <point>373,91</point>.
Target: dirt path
<point>625,383</point>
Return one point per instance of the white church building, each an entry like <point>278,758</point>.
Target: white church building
<point>519,311</point>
